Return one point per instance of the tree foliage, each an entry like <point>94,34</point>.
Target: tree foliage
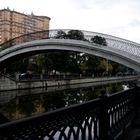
<point>67,62</point>
<point>99,40</point>
<point>61,35</point>
<point>75,34</point>
<point>72,34</point>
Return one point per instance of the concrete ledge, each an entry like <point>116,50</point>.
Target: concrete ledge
<point>7,84</point>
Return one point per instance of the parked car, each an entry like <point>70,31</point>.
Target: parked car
<point>25,76</point>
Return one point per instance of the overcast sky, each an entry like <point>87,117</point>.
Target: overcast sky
<point>115,17</point>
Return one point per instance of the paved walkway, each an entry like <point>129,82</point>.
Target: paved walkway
<point>133,133</point>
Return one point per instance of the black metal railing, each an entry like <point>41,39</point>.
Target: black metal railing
<point>63,76</point>
<point>51,76</point>
<point>100,119</point>
<point>120,110</point>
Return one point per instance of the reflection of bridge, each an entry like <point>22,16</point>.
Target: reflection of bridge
<point>117,49</point>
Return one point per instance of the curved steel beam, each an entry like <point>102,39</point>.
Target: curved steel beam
<point>40,46</point>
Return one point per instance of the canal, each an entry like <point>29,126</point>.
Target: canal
<point>19,104</point>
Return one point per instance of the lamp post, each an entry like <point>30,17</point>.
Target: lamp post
<point>107,68</point>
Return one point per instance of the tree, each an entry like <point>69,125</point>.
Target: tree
<point>75,34</point>
<point>105,67</point>
<point>57,60</point>
<point>99,40</point>
<point>61,35</point>
<point>19,65</point>
<point>73,64</point>
<point>39,61</point>
<point>92,63</point>
<point>118,67</point>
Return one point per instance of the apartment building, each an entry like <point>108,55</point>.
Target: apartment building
<point>14,24</point>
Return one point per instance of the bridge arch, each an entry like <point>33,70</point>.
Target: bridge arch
<point>42,45</point>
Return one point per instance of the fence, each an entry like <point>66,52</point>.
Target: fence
<point>101,119</point>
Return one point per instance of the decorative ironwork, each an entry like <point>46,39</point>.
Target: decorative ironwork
<point>120,111</point>
<point>95,120</point>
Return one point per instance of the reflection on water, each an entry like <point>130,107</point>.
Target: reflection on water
<point>23,103</point>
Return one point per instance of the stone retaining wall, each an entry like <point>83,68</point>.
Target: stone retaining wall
<point>8,84</point>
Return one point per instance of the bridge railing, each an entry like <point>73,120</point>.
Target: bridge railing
<point>114,42</point>
<point>52,76</point>
<point>99,119</point>
<point>63,76</point>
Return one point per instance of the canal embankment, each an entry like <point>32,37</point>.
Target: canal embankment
<point>9,84</point>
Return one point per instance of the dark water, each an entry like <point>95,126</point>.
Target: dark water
<point>23,103</point>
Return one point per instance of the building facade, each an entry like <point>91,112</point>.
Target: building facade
<point>14,24</point>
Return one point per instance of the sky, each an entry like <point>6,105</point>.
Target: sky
<point>119,18</point>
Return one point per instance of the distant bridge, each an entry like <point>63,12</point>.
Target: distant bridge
<point>119,50</point>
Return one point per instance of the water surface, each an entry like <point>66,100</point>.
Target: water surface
<point>23,103</point>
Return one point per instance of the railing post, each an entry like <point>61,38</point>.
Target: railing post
<point>80,75</point>
<point>41,76</point>
<point>104,117</point>
<point>136,103</point>
<point>64,76</point>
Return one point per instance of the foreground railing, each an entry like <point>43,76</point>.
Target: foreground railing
<point>100,119</point>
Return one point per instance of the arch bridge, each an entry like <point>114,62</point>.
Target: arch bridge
<point>116,49</point>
